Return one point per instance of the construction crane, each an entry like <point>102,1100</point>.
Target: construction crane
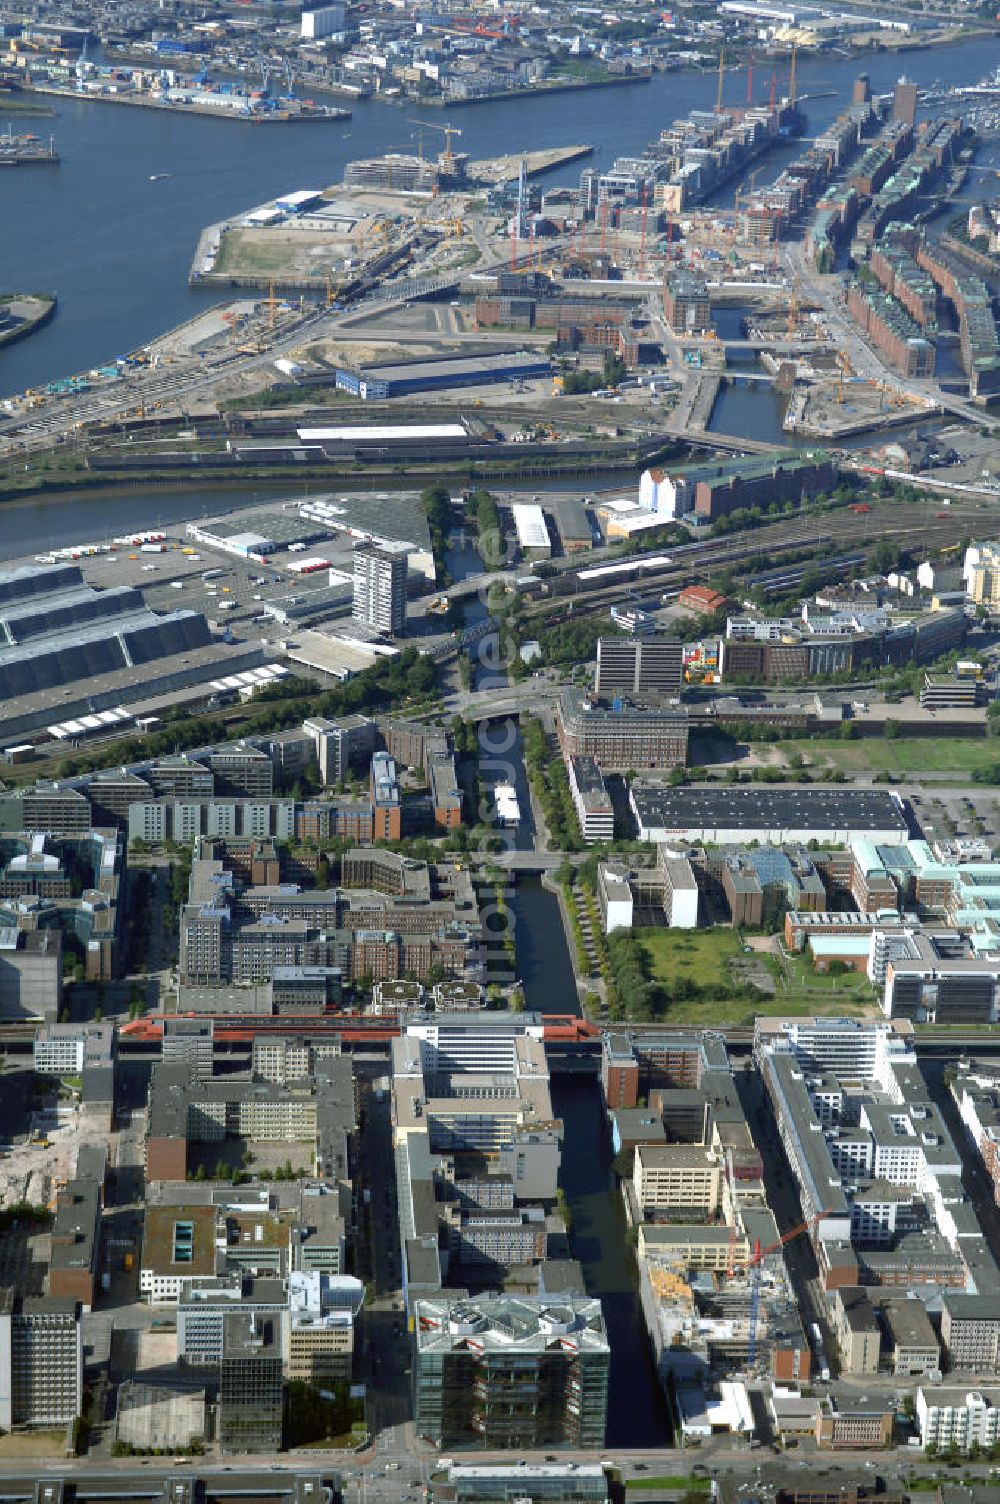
<point>756,1261</point>
<point>792,325</point>
<point>722,75</point>
<point>447,156</point>
<point>272,306</point>
<point>843,369</point>
<point>792,89</point>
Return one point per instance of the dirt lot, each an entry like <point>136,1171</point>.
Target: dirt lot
<point>255,253</point>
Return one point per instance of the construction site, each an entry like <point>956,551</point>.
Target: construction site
<point>36,1166</point>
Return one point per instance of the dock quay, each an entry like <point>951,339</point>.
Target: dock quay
<point>325,114</point>
<point>694,406</point>
<point>505,169</point>
<point>22,313</point>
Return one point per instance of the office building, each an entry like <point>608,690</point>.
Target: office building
<point>380,587</point>
<point>250,1384</point>
<point>59,1048</point>
<point>982,574</point>
<point>511,1374</point>
<point>203,1305</point>
<point>677,1179</point>
<point>76,1241</point>
<point>686,306</point>
<point>621,736</point>
<point>856,1329</point>
<point>970,1332</point>
<point>543,1482</point>
<point>190,1042</point>
<point>639,667</point>
<point>386,798</point>
<point>341,744</point>
<point>41,1361</point>
<point>320,1330</point>
<point>591,800</point>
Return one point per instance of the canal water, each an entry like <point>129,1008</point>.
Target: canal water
<point>750,410</point>
<point>636,1412</point>
<point>117,247</point>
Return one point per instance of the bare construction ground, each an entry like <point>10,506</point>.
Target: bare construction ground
<point>830,410</point>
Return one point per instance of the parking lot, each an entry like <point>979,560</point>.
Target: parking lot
<point>959,814</point>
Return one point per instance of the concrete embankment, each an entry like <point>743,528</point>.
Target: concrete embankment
<point>694,406</point>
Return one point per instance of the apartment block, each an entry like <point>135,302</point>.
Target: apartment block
<point>963,1419</point>
<point>380,587</point>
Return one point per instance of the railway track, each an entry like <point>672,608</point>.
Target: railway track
<point>696,563</point>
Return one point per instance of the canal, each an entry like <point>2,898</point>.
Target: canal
<point>637,1414</point>
<point>750,410</point>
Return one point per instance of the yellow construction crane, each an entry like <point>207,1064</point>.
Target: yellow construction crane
<point>272,306</point>
<point>844,368</point>
<point>447,156</point>
<point>792,91</point>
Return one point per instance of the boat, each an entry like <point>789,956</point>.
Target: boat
<point>155,177</point>
<point>507,812</point>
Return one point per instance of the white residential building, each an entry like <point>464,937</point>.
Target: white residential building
<point>958,1417</point>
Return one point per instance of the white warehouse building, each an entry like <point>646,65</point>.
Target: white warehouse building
<point>324,21</point>
<point>532,533</point>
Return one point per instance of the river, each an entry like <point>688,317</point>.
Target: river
<point>637,1415</point>
<point>116,248</point>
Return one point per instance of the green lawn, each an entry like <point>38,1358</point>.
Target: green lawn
<point>700,1485</point>
<point>800,976</point>
<point>916,754</point>
<point>723,1012</point>
<point>700,956</point>
<point>704,957</point>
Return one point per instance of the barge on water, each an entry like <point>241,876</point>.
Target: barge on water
<point>26,150</point>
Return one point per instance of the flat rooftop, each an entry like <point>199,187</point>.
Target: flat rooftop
<point>765,807</point>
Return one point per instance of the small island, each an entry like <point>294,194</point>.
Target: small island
<point>22,313</point>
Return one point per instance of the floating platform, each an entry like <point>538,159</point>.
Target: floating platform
<point>27,151</point>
